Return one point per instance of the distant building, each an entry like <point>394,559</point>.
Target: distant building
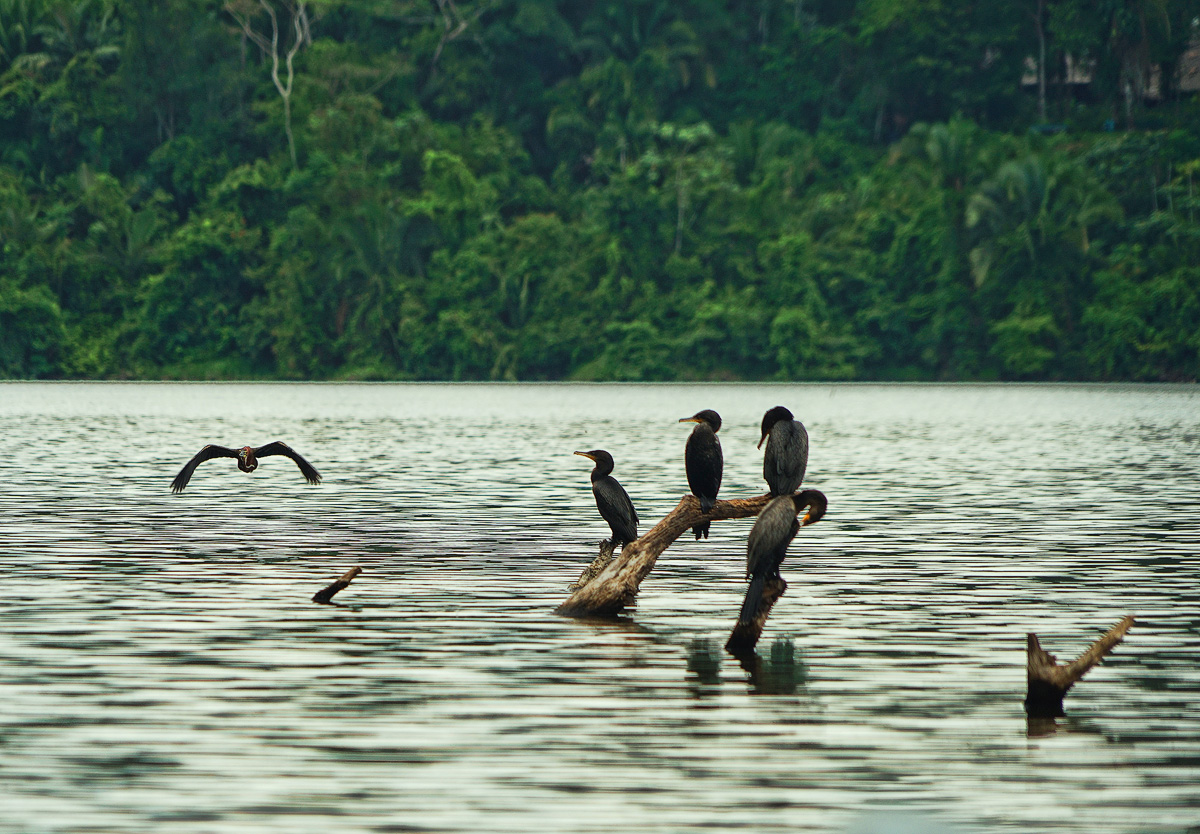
<point>1077,75</point>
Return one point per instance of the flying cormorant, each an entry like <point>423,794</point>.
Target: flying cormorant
<point>611,499</point>
<point>773,531</point>
<point>247,461</point>
<point>703,461</point>
<point>786,456</point>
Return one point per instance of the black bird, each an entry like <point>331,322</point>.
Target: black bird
<point>611,499</point>
<point>786,456</point>
<point>773,531</point>
<point>247,461</point>
<point>703,461</point>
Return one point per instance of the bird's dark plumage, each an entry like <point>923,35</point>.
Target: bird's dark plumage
<point>773,531</point>
<point>611,498</point>
<point>786,456</point>
<point>247,461</point>
<point>703,462</point>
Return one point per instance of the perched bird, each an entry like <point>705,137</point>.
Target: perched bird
<point>611,499</point>
<point>703,462</point>
<point>247,461</point>
<point>786,456</point>
<point>773,531</point>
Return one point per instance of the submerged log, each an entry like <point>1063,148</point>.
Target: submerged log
<point>1048,681</point>
<point>324,595</point>
<point>616,585</point>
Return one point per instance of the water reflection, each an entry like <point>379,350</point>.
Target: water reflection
<point>704,657</point>
<point>900,821</point>
<point>1044,726</point>
<point>163,666</point>
<point>781,672</point>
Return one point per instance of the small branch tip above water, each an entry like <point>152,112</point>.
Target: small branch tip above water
<point>325,595</point>
<point>1049,681</point>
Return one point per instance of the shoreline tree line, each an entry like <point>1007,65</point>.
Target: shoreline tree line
<point>634,190</point>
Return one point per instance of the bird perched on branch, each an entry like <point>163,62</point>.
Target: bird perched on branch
<point>247,461</point>
<point>773,531</point>
<point>703,462</point>
<point>786,456</point>
<point>611,499</point>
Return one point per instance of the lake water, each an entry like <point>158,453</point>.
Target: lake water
<point>162,668</point>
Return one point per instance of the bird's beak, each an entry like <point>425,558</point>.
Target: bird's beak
<point>689,420</point>
<point>585,455</point>
<point>760,442</point>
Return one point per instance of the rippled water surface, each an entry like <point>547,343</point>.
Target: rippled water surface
<point>163,669</point>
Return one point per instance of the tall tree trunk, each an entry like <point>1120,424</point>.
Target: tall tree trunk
<point>269,46</point>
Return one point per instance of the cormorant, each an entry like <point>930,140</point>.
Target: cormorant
<point>773,531</point>
<point>611,499</point>
<point>247,461</point>
<point>786,456</point>
<point>703,461</point>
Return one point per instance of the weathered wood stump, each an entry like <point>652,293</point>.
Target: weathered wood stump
<point>1048,681</point>
<point>617,583</point>
<point>324,595</point>
<point>745,635</point>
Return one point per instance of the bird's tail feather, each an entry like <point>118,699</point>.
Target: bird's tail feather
<point>701,530</point>
<point>753,598</point>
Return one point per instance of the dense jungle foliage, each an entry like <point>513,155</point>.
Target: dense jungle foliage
<point>631,189</point>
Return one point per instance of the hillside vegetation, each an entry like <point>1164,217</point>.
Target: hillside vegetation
<point>633,190</point>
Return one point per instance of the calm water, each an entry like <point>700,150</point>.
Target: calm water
<point>163,670</point>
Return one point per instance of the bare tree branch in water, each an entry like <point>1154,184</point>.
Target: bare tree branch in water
<point>1048,681</point>
<point>610,584</point>
<point>324,595</point>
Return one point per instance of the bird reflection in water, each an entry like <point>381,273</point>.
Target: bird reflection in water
<point>780,672</point>
<point>704,667</point>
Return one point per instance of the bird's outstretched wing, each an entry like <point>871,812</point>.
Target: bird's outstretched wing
<point>207,453</point>
<point>280,448</point>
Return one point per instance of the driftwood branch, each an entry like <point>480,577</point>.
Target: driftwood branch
<point>326,594</point>
<point>1049,680</point>
<point>617,583</point>
<point>607,549</point>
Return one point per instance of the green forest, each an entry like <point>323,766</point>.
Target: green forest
<point>633,190</point>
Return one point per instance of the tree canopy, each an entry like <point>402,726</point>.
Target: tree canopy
<point>633,190</point>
